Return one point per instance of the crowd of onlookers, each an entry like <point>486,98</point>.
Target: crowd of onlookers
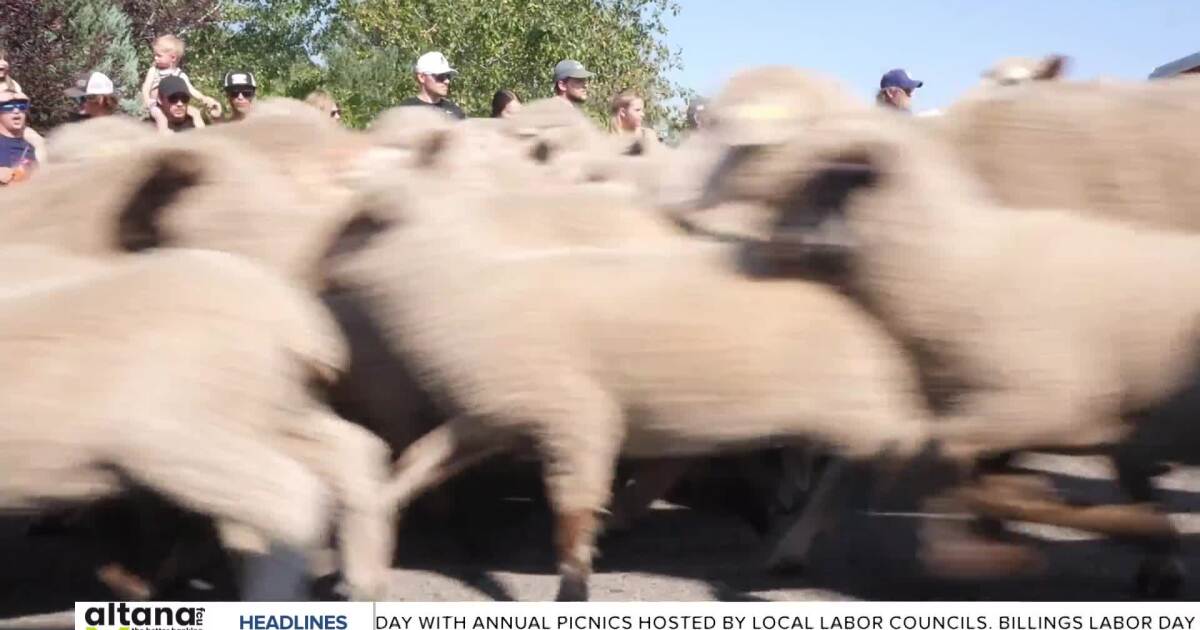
<point>170,101</point>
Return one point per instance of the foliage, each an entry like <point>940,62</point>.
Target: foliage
<point>50,42</point>
<point>362,51</point>
<point>514,44</point>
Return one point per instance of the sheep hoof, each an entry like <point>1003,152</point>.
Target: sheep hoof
<point>124,583</point>
<point>572,588</point>
<point>1160,577</point>
<point>786,565</point>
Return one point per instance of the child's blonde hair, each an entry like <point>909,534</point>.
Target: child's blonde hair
<point>174,44</point>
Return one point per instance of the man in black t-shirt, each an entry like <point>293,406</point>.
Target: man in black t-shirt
<point>173,99</point>
<point>433,74</point>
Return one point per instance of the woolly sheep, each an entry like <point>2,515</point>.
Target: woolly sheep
<point>599,216</point>
<point>204,397</point>
<point>1060,330</point>
<point>201,190</point>
<point>592,352</point>
<point>1120,150</point>
<point>1015,70</point>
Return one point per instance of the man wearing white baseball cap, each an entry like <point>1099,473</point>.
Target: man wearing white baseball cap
<point>433,74</point>
<point>95,94</point>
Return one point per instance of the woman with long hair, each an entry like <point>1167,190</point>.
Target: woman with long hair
<point>504,104</point>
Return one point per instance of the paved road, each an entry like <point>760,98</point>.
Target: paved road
<point>675,554</point>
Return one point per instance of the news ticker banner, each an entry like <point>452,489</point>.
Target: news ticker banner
<point>637,616</point>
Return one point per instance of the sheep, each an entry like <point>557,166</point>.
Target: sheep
<point>1015,70</point>
<point>755,105</point>
<point>600,215</point>
<point>1061,331</point>
<point>1120,150</point>
<point>205,396</point>
<point>592,352</point>
<point>198,190</point>
<point>107,137</point>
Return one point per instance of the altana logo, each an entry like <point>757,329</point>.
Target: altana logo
<point>122,616</point>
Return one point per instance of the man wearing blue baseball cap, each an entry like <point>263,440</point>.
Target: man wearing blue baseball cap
<point>896,88</point>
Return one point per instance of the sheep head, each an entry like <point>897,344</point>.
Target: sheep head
<point>1016,70</point>
<point>846,182</point>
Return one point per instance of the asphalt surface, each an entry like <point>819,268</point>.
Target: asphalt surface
<point>673,554</point>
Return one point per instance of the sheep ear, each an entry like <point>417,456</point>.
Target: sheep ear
<point>1051,67</point>
<point>166,174</point>
<point>541,152</point>
<point>432,147</point>
<point>825,192</point>
<point>357,233</point>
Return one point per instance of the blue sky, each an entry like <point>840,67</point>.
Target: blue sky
<point>946,44</point>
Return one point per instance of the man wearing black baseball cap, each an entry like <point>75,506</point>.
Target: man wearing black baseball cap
<point>571,81</point>
<point>173,99</point>
<point>896,88</point>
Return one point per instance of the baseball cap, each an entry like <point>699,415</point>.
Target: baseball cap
<point>899,78</point>
<point>90,84</point>
<point>434,63</point>
<point>571,69</point>
<point>239,78</point>
<point>170,86</point>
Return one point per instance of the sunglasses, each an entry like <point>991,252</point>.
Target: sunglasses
<point>15,105</point>
<point>246,94</point>
<point>442,78</point>
<point>179,98</point>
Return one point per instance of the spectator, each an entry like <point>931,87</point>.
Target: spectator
<point>896,89</point>
<point>433,74</point>
<point>168,54</point>
<point>95,95</point>
<point>695,113</point>
<point>505,104</point>
<point>571,81</point>
<point>173,99</point>
<point>626,113</point>
<point>323,101</point>
<point>18,157</point>
<point>6,80</point>
<point>240,88</point>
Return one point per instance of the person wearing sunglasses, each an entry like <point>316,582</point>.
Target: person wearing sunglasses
<point>324,102</point>
<point>433,74</point>
<point>173,99</point>
<point>18,157</point>
<point>896,90</point>
<point>240,88</point>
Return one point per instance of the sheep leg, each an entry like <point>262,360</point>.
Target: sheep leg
<point>353,462</point>
<point>579,465</point>
<point>435,457</point>
<point>791,547</point>
<point>1161,571</point>
<point>651,480</point>
<point>1017,499</point>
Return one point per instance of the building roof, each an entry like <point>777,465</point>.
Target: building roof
<point>1178,66</point>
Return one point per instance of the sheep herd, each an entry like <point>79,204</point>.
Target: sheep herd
<point>296,330</point>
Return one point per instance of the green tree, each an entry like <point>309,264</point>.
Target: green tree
<point>512,44</point>
<point>277,40</point>
<point>50,42</point>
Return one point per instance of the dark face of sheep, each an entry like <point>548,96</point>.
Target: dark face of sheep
<point>809,226</point>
